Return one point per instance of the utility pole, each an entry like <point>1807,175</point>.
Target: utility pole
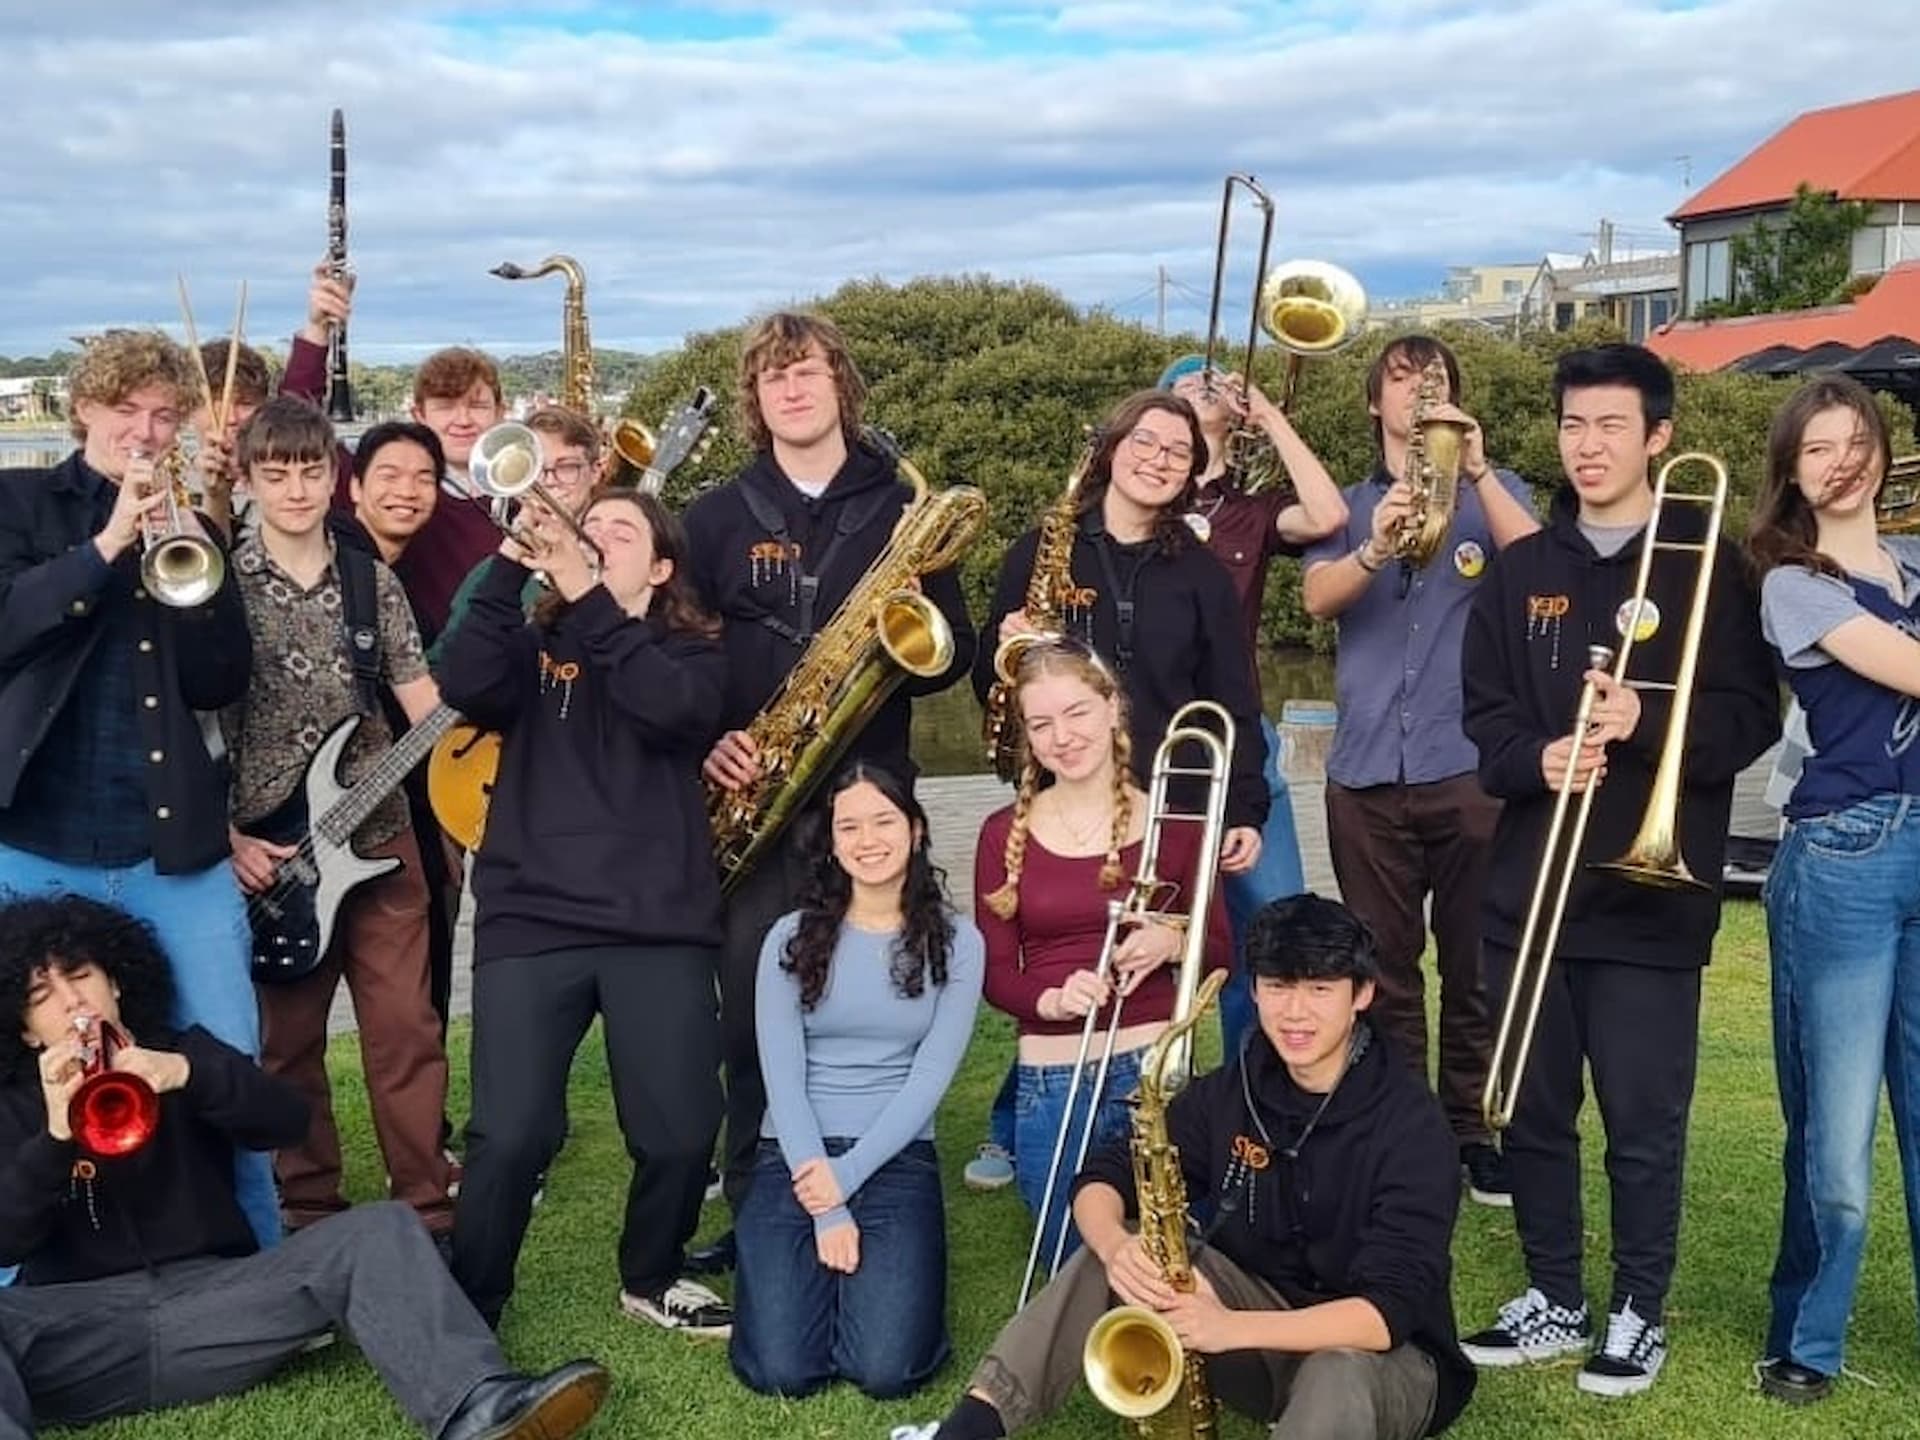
<point>1160,307</point>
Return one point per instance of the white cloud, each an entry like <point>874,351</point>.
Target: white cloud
<point>699,182</point>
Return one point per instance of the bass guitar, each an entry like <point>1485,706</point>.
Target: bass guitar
<point>293,918</point>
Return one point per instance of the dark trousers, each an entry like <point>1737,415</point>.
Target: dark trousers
<point>1392,847</point>
<point>1328,1395</point>
<point>663,1051</point>
<point>196,1329</point>
<point>769,891</point>
<point>380,948</point>
<point>798,1325</point>
<point>1637,1026</point>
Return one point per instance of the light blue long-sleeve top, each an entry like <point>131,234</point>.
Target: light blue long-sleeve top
<point>866,1063</point>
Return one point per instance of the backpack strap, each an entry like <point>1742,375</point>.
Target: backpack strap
<point>360,618</point>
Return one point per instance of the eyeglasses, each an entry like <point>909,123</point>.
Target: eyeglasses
<point>567,472</point>
<point>1145,446</point>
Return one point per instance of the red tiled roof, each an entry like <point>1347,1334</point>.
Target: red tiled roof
<point>1892,307</point>
<point>1865,151</point>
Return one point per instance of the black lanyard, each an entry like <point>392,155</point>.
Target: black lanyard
<point>1122,595</point>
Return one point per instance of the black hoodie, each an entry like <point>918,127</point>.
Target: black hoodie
<point>1365,1211</point>
<point>597,831</point>
<point>172,1199</point>
<point>744,577</point>
<point>1544,600</point>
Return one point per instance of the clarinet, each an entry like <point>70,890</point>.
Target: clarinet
<point>339,387</point>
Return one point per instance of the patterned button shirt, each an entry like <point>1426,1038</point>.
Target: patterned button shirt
<point>303,686</point>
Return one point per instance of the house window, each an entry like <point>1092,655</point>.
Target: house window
<point>1659,310</point>
<point>1707,272</point>
<point>1509,289</point>
<point>1870,249</point>
<point>1563,315</point>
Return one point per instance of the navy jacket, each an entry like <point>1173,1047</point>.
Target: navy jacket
<point>53,587</point>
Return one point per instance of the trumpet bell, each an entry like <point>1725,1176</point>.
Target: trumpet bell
<point>635,443</point>
<point>182,570</point>
<point>1312,307</point>
<point>1132,1362</point>
<point>113,1114</point>
<point>506,461</point>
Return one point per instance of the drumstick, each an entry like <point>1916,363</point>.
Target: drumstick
<point>233,357</point>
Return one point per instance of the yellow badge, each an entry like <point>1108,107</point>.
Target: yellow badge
<point>1469,559</point>
<point>1646,627</point>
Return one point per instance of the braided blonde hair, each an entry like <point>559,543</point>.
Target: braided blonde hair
<point>1055,658</point>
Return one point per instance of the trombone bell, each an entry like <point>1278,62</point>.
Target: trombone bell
<point>1312,307</point>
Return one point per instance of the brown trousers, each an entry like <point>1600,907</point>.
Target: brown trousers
<point>1392,847</point>
<point>1327,1395</point>
<point>380,948</point>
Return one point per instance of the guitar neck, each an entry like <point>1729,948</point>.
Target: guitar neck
<point>350,811</point>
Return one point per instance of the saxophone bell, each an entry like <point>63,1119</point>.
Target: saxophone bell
<point>1133,1362</point>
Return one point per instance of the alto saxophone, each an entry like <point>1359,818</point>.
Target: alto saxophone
<point>1133,1362</point>
<point>1433,471</point>
<point>885,630</point>
<point>1047,585</point>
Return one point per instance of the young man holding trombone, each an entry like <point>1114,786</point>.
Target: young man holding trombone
<point>1600,962</point>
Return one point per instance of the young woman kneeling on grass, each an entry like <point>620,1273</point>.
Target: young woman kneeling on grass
<point>864,1005</point>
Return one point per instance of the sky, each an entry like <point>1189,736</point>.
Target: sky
<point>709,162</point>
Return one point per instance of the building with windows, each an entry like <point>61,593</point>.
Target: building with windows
<point>1869,150</point>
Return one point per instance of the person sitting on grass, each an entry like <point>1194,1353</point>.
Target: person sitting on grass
<point>1321,1298</point>
<point>141,1285</point>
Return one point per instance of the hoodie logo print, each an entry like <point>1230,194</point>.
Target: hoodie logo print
<point>769,559</point>
<point>1544,616</point>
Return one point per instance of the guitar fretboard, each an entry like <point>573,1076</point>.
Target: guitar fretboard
<point>350,811</point>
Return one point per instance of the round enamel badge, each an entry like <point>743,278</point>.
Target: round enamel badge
<point>1469,559</point>
<point>1644,628</point>
<point>1201,526</point>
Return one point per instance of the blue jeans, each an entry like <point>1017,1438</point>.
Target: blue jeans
<point>1843,916</point>
<point>798,1325</point>
<point>1040,1109</point>
<point>1277,875</point>
<point>201,920</point>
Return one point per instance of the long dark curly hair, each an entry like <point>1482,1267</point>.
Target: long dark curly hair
<point>925,942</point>
<point>68,931</point>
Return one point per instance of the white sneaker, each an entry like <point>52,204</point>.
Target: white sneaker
<point>684,1305</point>
<point>916,1432</point>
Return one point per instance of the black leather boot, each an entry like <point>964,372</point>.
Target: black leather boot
<point>530,1407</point>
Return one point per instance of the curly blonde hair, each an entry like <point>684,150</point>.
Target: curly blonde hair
<point>1065,658</point>
<point>122,361</point>
<point>782,339</point>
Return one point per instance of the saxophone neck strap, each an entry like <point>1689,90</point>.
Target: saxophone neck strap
<point>852,519</point>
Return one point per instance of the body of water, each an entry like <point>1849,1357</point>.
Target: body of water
<point>28,449</point>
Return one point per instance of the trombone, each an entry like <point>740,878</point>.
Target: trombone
<point>1208,725</point>
<point>1310,308</point>
<point>505,467</point>
<point>1653,858</point>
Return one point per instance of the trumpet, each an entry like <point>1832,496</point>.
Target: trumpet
<point>179,565</point>
<point>1653,858</point>
<point>1209,726</point>
<point>505,466</point>
<point>113,1113</point>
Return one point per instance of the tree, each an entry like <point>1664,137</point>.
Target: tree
<point>1798,261</point>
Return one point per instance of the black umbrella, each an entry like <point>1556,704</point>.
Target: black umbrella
<point>1762,362</point>
<point>1889,355</point>
<point>1830,355</point>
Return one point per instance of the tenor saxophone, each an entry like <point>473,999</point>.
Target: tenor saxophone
<point>1133,1362</point>
<point>1051,579</point>
<point>1433,471</point>
<point>884,631</point>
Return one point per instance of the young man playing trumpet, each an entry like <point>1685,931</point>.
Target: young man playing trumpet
<point>110,786</point>
<point>1321,1301</point>
<point>141,1285</point>
<point>1406,819</point>
<point>1622,993</point>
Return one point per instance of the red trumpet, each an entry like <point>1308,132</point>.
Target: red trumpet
<point>113,1113</point>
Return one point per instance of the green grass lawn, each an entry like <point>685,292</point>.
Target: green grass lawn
<point>669,1386</point>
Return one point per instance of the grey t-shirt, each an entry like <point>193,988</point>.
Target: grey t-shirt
<point>1799,608</point>
<point>866,1063</point>
<point>1610,540</point>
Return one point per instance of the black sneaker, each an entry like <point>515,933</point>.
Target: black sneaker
<point>1631,1357</point>
<point>1530,1328</point>
<point>1487,1179</point>
<point>684,1305</point>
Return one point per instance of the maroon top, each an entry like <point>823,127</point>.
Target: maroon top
<point>457,536</point>
<point>1062,921</point>
<point>1242,537</point>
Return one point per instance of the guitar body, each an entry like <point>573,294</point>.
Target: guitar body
<point>460,779</point>
<point>293,919</point>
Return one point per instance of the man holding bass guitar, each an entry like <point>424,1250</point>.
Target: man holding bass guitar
<point>330,627</point>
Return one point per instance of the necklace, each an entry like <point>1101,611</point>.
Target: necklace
<point>1084,831</point>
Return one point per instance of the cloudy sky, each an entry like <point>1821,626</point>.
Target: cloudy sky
<point>705,161</point>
